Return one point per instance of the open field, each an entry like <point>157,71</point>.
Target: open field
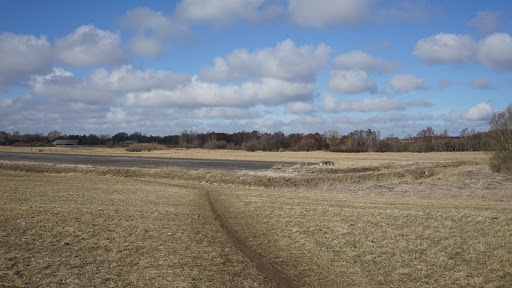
<point>76,230</point>
<point>340,159</point>
<point>436,219</point>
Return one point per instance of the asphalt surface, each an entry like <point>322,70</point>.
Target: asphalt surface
<point>141,162</point>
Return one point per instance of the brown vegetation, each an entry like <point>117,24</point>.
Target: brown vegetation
<point>373,219</point>
<point>501,131</point>
<point>139,147</point>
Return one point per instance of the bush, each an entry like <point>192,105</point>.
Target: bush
<point>139,147</point>
<point>307,145</point>
<point>251,146</point>
<point>501,140</point>
<point>420,147</point>
<point>383,146</point>
<point>212,144</point>
<point>501,162</point>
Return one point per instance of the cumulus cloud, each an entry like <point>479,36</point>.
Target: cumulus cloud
<point>495,51</point>
<point>323,13</point>
<point>267,91</point>
<point>406,82</point>
<point>480,112</point>
<point>222,113</point>
<point>22,55</point>
<point>299,108</point>
<point>351,82</point>
<point>89,46</point>
<point>483,83</point>
<point>452,116</point>
<point>358,60</point>
<point>286,61</point>
<point>63,85</point>
<point>400,117</point>
<point>152,29</point>
<point>445,48</point>
<point>126,78</point>
<point>144,20</point>
<point>221,71</point>
<point>40,113</point>
<point>150,47</point>
<point>311,120</point>
<point>222,12</point>
<point>486,21</point>
<point>335,105</point>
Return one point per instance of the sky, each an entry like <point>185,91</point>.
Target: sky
<point>296,66</point>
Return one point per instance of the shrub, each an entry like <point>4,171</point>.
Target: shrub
<point>139,147</point>
<point>420,147</point>
<point>501,140</point>
<point>383,146</point>
<point>307,145</point>
<point>251,146</point>
<point>212,144</point>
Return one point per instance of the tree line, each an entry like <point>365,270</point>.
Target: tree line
<point>426,140</point>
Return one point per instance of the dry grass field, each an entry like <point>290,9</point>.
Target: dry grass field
<point>372,220</point>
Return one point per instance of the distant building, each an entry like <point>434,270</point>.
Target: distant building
<point>66,142</point>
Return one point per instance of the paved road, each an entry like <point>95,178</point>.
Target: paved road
<point>143,162</point>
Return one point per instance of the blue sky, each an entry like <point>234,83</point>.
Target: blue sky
<point>160,67</point>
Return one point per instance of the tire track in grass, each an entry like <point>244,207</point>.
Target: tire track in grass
<point>271,271</point>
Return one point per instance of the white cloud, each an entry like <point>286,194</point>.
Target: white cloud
<point>483,83</point>
<point>149,47</point>
<point>358,60</point>
<point>406,82</point>
<point>351,82</point>
<point>335,105</point>
<point>480,112</point>
<point>452,116</point>
<point>323,13</point>
<point>267,91</point>
<point>222,113</point>
<point>445,48</point>
<point>495,51</point>
<point>152,29</point>
<point>310,120</point>
<point>220,72</point>
<point>400,117</point>
<point>42,114</point>
<point>486,22</point>
<point>223,12</point>
<point>299,108</point>
<point>126,78</point>
<point>286,61</point>
<point>63,85</point>
<point>22,55</point>
<point>144,20</point>
<point>89,46</point>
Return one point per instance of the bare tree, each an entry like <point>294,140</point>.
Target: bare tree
<point>52,135</point>
<point>501,133</point>
<point>333,138</point>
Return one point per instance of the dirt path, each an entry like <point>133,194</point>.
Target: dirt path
<point>268,269</point>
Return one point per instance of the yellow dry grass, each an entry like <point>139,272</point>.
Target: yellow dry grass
<point>387,220</point>
<point>371,235</point>
<point>339,159</point>
<point>85,231</point>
